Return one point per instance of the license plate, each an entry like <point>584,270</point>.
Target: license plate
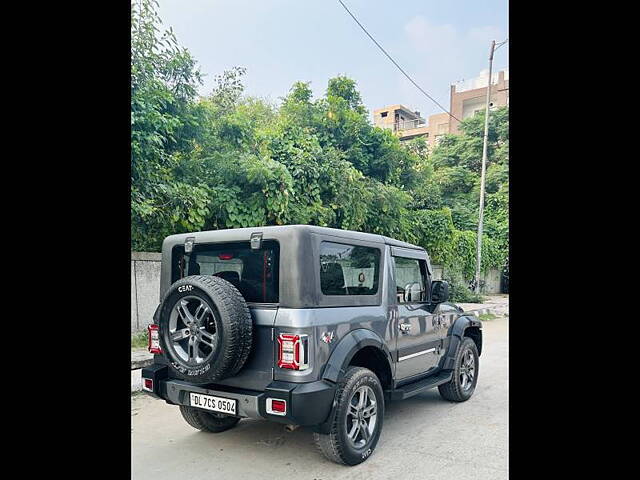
<point>216,404</point>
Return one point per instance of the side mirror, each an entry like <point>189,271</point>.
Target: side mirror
<point>412,292</point>
<point>439,291</point>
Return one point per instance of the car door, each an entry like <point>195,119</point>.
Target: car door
<point>419,341</point>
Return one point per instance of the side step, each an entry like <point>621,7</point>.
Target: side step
<point>420,386</point>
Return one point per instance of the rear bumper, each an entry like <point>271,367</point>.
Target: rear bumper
<point>307,403</point>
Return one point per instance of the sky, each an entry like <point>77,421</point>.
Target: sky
<point>280,42</point>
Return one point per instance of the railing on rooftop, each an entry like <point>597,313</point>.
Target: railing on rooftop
<point>409,124</point>
<point>479,82</point>
<point>403,125</point>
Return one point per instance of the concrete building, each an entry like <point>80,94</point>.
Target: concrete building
<point>404,122</point>
<point>438,125</point>
<point>408,124</point>
<point>468,97</point>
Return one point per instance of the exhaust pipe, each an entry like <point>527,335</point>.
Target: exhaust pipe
<point>290,428</point>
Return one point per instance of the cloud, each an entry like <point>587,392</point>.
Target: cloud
<point>424,35</point>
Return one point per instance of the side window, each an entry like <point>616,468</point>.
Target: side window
<point>348,269</point>
<point>410,275</point>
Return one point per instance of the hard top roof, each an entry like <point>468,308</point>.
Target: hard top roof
<point>282,230</point>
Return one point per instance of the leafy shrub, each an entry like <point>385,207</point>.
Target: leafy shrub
<point>229,161</point>
<point>459,292</point>
<point>139,340</point>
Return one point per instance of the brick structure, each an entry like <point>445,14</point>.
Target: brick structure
<point>404,122</point>
<point>468,98</point>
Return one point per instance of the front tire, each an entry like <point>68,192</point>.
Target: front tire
<point>207,422</point>
<point>357,422</point>
<point>465,373</point>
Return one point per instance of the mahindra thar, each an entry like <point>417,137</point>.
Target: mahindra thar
<point>305,326</point>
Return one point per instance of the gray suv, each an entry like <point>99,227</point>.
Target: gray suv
<point>305,326</point>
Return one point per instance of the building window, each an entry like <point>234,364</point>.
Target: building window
<point>383,114</point>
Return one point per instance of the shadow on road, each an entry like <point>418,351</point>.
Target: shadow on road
<point>269,436</point>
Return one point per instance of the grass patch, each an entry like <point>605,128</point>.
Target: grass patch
<point>487,316</point>
<point>139,340</point>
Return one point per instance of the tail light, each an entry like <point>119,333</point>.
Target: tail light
<point>293,351</point>
<point>154,339</point>
<point>276,407</point>
<point>147,384</point>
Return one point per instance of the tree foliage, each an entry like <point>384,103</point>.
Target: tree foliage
<point>226,160</point>
<point>164,126</point>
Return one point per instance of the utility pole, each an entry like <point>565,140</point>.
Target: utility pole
<point>484,164</point>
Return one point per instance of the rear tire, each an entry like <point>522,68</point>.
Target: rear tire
<point>207,422</point>
<point>337,445</point>
<point>465,373</point>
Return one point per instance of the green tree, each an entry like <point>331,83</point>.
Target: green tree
<point>227,160</point>
<point>164,78</point>
<point>456,164</point>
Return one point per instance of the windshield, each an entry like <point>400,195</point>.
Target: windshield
<point>253,272</point>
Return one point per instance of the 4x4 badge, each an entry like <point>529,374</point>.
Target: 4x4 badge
<point>327,337</point>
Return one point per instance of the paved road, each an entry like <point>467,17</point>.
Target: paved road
<point>424,437</point>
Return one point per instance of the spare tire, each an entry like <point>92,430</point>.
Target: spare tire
<point>206,329</point>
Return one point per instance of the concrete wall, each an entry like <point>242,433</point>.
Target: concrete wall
<point>145,288</point>
<point>491,279</point>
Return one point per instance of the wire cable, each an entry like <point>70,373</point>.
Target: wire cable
<point>398,66</point>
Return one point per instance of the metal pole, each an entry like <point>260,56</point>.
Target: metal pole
<point>484,168</point>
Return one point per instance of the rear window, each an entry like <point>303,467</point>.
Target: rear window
<point>348,269</point>
<point>253,272</point>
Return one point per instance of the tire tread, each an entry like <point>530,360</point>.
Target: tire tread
<point>237,324</point>
<point>451,390</point>
<point>330,444</point>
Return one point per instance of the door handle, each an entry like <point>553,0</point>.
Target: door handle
<point>405,327</point>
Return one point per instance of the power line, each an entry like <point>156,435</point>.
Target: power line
<point>396,64</point>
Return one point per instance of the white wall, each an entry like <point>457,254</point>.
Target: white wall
<point>145,288</point>
<point>491,279</point>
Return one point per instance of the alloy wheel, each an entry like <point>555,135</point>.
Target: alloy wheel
<point>467,370</point>
<point>192,330</point>
<point>362,415</point>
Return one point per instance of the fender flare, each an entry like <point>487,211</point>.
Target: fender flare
<point>340,358</point>
<point>456,334</point>
<point>354,341</point>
